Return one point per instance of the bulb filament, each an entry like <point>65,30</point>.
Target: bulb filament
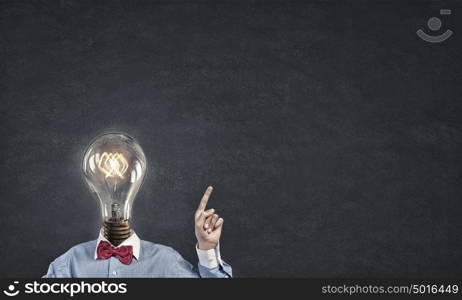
<point>113,165</point>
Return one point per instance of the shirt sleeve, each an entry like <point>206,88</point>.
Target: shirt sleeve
<point>58,269</point>
<point>184,269</point>
<point>211,265</point>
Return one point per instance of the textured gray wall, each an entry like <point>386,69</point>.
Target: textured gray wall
<point>333,135</point>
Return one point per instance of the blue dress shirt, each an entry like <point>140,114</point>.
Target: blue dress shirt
<point>150,260</point>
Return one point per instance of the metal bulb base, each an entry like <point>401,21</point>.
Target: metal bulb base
<point>116,231</point>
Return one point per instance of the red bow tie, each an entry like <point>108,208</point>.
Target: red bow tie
<point>123,253</point>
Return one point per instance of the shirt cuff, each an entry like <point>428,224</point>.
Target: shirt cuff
<point>209,258</point>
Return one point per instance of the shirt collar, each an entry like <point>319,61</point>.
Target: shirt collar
<point>133,240</point>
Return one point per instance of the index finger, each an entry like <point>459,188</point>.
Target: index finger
<point>205,198</point>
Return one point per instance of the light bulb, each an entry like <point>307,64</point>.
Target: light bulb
<point>114,166</point>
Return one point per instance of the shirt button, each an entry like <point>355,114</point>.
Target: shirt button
<point>114,273</point>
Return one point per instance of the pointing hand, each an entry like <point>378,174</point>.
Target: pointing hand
<point>208,224</point>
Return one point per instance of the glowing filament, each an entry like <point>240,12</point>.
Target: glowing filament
<point>113,164</point>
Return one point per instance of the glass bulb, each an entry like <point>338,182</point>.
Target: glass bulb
<point>114,166</point>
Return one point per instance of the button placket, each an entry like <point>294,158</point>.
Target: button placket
<point>113,267</point>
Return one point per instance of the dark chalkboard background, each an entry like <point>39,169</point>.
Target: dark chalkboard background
<point>331,132</point>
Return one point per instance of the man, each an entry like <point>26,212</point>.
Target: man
<point>138,258</point>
